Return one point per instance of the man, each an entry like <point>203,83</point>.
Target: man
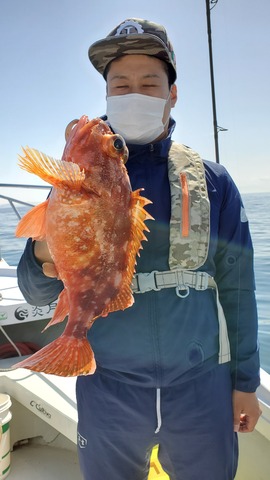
<point>173,369</point>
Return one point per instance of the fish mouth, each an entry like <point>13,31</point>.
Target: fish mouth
<point>78,125</point>
<point>69,128</point>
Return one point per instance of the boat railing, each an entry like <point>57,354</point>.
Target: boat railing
<point>14,202</point>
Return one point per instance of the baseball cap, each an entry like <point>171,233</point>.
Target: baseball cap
<point>133,36</point>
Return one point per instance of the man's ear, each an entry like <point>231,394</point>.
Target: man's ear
<point>173,94</point>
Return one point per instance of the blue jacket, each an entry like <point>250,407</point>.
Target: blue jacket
<point>163,340</point>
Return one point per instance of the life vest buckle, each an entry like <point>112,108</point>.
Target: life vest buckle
<point>147,282</point>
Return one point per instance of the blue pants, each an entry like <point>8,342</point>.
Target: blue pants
<point>117,425</point>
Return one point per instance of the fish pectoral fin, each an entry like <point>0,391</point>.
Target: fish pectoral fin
<point>61,310</point>
<point>123,300</point>
<point>56,172</point>
<point>33,223</point>
<point>66,356</point>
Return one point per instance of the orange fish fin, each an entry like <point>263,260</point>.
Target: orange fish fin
<point>138,217</point>
<point>123,300</point>
<point>139,214</point>
<point>66,356</point>
<point>33,223</point>
<point>61,310</point>
<point>56,172</point>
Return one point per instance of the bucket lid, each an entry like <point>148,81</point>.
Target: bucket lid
<point>5,402</point>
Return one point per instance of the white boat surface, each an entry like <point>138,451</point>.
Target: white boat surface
<point>43,429</point>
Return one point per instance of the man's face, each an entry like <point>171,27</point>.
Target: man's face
<point>142,74</point>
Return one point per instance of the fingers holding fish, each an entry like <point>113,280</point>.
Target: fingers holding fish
<point>49,270</point>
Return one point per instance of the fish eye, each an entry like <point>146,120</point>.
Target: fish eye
<point>118,143</point>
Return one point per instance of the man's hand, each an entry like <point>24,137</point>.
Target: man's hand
<point>246,410</point>
<point>42,252</point>
<point>43,256</point>
<point>49,270</point>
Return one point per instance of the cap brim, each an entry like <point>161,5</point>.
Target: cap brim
<point>102,52</point>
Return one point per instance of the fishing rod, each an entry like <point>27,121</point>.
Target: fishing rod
<point>209,32</point>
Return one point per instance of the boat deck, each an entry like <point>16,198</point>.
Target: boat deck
<point>33,461</point>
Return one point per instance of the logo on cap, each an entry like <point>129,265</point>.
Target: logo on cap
<point>128,28</point>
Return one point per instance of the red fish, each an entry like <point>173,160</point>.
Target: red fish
<point>94,225</point>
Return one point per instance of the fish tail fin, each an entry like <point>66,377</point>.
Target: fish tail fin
<point>66,356</point>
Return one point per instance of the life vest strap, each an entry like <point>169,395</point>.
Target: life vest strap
<point>182,280</point>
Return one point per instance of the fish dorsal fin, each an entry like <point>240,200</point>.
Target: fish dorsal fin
<point>56,172</point>
<point>124,298</point>
<point>138,217</point>
<point>33,223</point>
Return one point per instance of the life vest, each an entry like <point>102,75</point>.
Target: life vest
<point>190,209</point>
<point>189,236</point>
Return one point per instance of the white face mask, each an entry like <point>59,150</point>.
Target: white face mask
<point>138,118</point>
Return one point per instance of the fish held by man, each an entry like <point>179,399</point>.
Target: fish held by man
<point>94,225</point>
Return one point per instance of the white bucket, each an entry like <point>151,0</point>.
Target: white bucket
<point>5,417</point>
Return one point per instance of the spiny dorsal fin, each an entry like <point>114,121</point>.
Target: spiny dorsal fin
<point>124,298</point>
<point>56,172</point>
<point>139,215</point>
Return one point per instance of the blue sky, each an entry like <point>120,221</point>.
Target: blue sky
<point>46,78</point>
